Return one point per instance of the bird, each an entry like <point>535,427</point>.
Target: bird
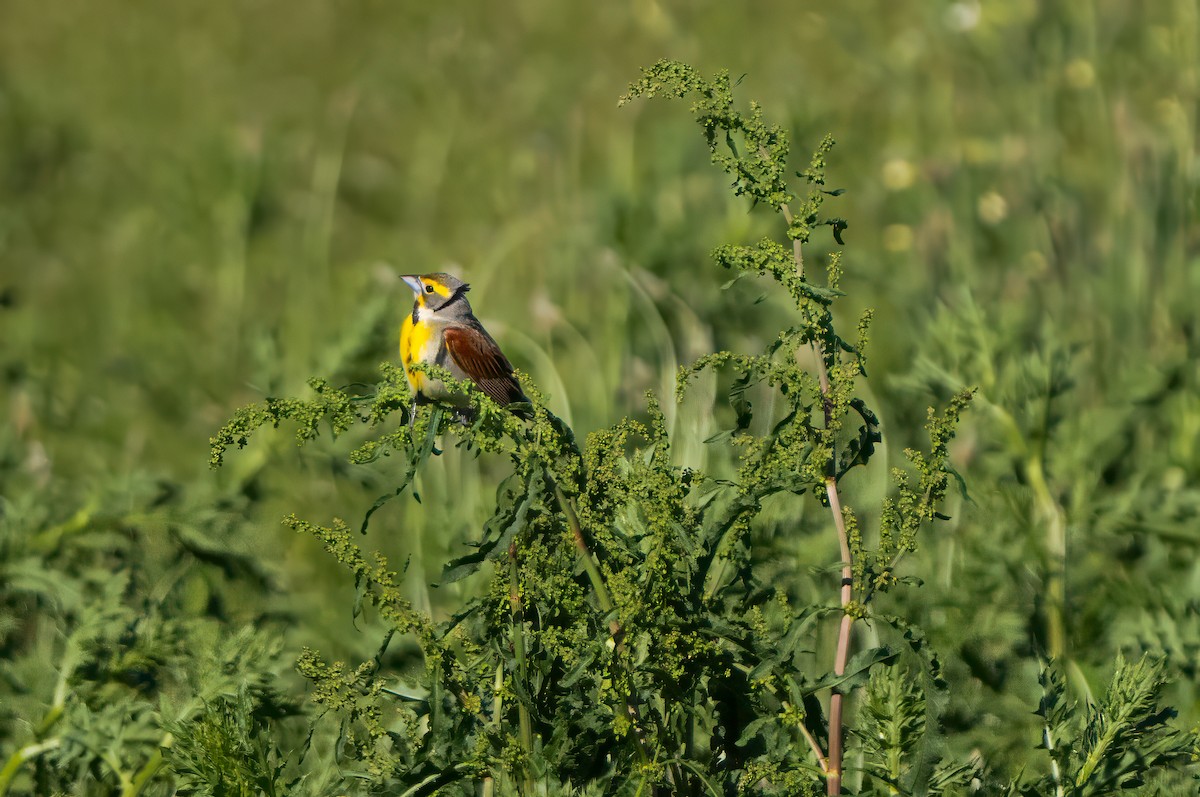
<point>443,330</point>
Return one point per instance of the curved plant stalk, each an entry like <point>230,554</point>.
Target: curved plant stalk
<point>525,724</point>
<point>22,755</point>
<point>615,630</point>
<point>1049,513</point>
<point>57,709</point>
<point>138,783</point>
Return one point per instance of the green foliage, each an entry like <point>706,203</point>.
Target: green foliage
<point>899,749</point>
<point>330,405</point>
<point>1111,746</point>
<point>118,642</point>
<point>227,751</point>
<point>625,639</point>
<point>629,642</point>
<point>195,203</point>
<point>759,167</point>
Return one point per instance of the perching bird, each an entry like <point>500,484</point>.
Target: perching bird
<point>443,331</point>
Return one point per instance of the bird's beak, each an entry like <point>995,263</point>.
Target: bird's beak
<point>414,282</point>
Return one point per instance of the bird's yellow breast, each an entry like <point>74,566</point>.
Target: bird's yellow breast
<point>414,348</point>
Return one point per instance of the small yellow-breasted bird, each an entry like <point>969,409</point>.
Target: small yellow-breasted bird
<point>443,331</point>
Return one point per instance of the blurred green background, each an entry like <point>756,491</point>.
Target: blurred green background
<point>204,204</point>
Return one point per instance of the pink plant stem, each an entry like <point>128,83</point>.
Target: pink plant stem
<point>833,783</point>
<point>833,765</point>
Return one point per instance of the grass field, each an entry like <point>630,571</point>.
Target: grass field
<point>203,205</point>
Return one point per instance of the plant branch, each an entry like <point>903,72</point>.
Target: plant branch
<point>489,782</point>
<point>797,250</point>
<point>837,699</point>
<point>1055,772</point>
<point>589,562</point>
<point>604,598</point>
<point>816,748</point>
<point>1050,513</point>
<point>833,766</point>
<point>525,724</point>
<point>149,769</point>
<point>20,756</point>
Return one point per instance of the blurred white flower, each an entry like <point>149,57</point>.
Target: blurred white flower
<point>964,16</point>
<point>898,174</point>
<point>1080,74</point>
<point>992,208</point>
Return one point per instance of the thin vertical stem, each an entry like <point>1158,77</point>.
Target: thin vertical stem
<point>837,699</point>
<point>144,775</point>
<point>1055,772</point>
<point>489,782</point>
<point>833,767</point>
<point>615,630</point>
<point>1051,515</point>
<point>525,724</point>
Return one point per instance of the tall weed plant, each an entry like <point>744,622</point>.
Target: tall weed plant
<point>626,637</point>
<point>773,610</point>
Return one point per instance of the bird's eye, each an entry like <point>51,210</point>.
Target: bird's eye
<point>429,289</point>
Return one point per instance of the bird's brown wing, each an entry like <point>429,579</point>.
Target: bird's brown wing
<point>474,351</point>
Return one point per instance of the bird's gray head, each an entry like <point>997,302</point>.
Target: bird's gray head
<point>437,291</point>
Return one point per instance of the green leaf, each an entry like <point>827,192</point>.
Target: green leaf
<point>858,669</point>
<point>511,518</point>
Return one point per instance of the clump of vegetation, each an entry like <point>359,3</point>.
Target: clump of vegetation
<point>126,660</point>
<point>626,640</point>
<point>792,612</point>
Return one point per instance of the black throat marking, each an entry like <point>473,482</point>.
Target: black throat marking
<point>459,293</point>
